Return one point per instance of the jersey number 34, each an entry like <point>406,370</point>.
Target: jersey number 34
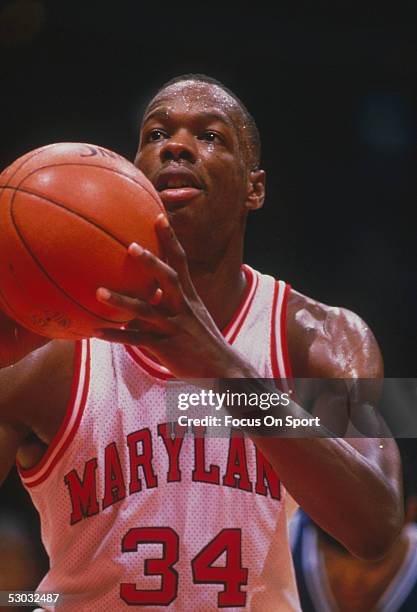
<point>232,575</point>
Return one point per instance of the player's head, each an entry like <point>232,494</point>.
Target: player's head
<point>200,147</point>
<point>247,129</point>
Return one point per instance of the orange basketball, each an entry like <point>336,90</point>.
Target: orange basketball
<point>68,212</point>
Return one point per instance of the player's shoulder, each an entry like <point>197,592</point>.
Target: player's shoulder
<point>329,341</point>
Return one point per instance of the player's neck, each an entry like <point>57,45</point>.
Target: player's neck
<point>221,288</point>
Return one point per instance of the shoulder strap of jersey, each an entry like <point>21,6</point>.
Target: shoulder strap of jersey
<point>280,361</point>
<point>80,384</point>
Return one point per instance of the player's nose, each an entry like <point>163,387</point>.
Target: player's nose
<point>178,147</point>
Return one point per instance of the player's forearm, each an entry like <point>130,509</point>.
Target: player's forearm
<point>343,491</point>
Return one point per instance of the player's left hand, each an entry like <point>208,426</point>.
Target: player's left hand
<point>174,325</point>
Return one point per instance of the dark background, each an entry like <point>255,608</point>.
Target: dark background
<point>331,88</point>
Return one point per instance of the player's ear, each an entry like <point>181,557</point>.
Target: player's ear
<point>256,189</point>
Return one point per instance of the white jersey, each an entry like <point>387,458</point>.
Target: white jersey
<point>136,513</point>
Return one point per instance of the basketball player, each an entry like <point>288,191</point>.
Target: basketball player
<point>132,515</point>
<point>330,579</point>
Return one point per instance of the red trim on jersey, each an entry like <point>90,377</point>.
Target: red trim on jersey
<point>150,369</point>
<point>29,473</point>
<point>154,368</point>
<point>273,342</point>
<point>249,280</point>
<point>283,323</point>
<point>245,314</point>
<point>277,374</point>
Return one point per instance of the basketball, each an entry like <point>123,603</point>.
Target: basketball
<point>68,212</point>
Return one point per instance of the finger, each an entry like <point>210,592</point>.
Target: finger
<point>173,251</point>
<point>129,306</point>
<point>163,274</point>
<point>126,336</point>
<point>156,298</point>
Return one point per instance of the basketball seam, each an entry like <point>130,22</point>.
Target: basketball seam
<point>83,165</point>
<point>18,188</point>
<point>42,149</point>
<point>35,259</point>
<point>29,157</point>
<point>74,212</point>
<point>35,153</point>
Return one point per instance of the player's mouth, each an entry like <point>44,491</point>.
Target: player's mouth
<point>177,187</point>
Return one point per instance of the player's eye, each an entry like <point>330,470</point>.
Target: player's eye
<point>156,134</point>
<point>210,136</point>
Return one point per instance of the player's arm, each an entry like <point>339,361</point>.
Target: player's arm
<point>354,489</point>
<point>28,371</point>
<point>12,435</point>
<point>15,341</point>
<point>351,490</point>
<point>16,382</point>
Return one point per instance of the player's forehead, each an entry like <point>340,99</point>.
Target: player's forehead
<point>198,98</point>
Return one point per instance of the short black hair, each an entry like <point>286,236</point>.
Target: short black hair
<point>253,139</point>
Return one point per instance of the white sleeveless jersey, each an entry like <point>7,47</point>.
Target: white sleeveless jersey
<point>136,513</point>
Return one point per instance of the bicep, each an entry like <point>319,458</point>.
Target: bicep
<point>14,384</point>
<point>352,366</point>
<point>18,392</point>
<point>22,384</point>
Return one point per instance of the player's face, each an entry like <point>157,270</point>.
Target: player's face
<point>191,150</point>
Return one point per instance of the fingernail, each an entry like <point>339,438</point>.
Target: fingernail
<point>163,220</point>
<point>103,294</point>
<point>135,249</point>
<point>156,298</point>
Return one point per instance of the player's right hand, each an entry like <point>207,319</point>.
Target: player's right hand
<point>15,341</point>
